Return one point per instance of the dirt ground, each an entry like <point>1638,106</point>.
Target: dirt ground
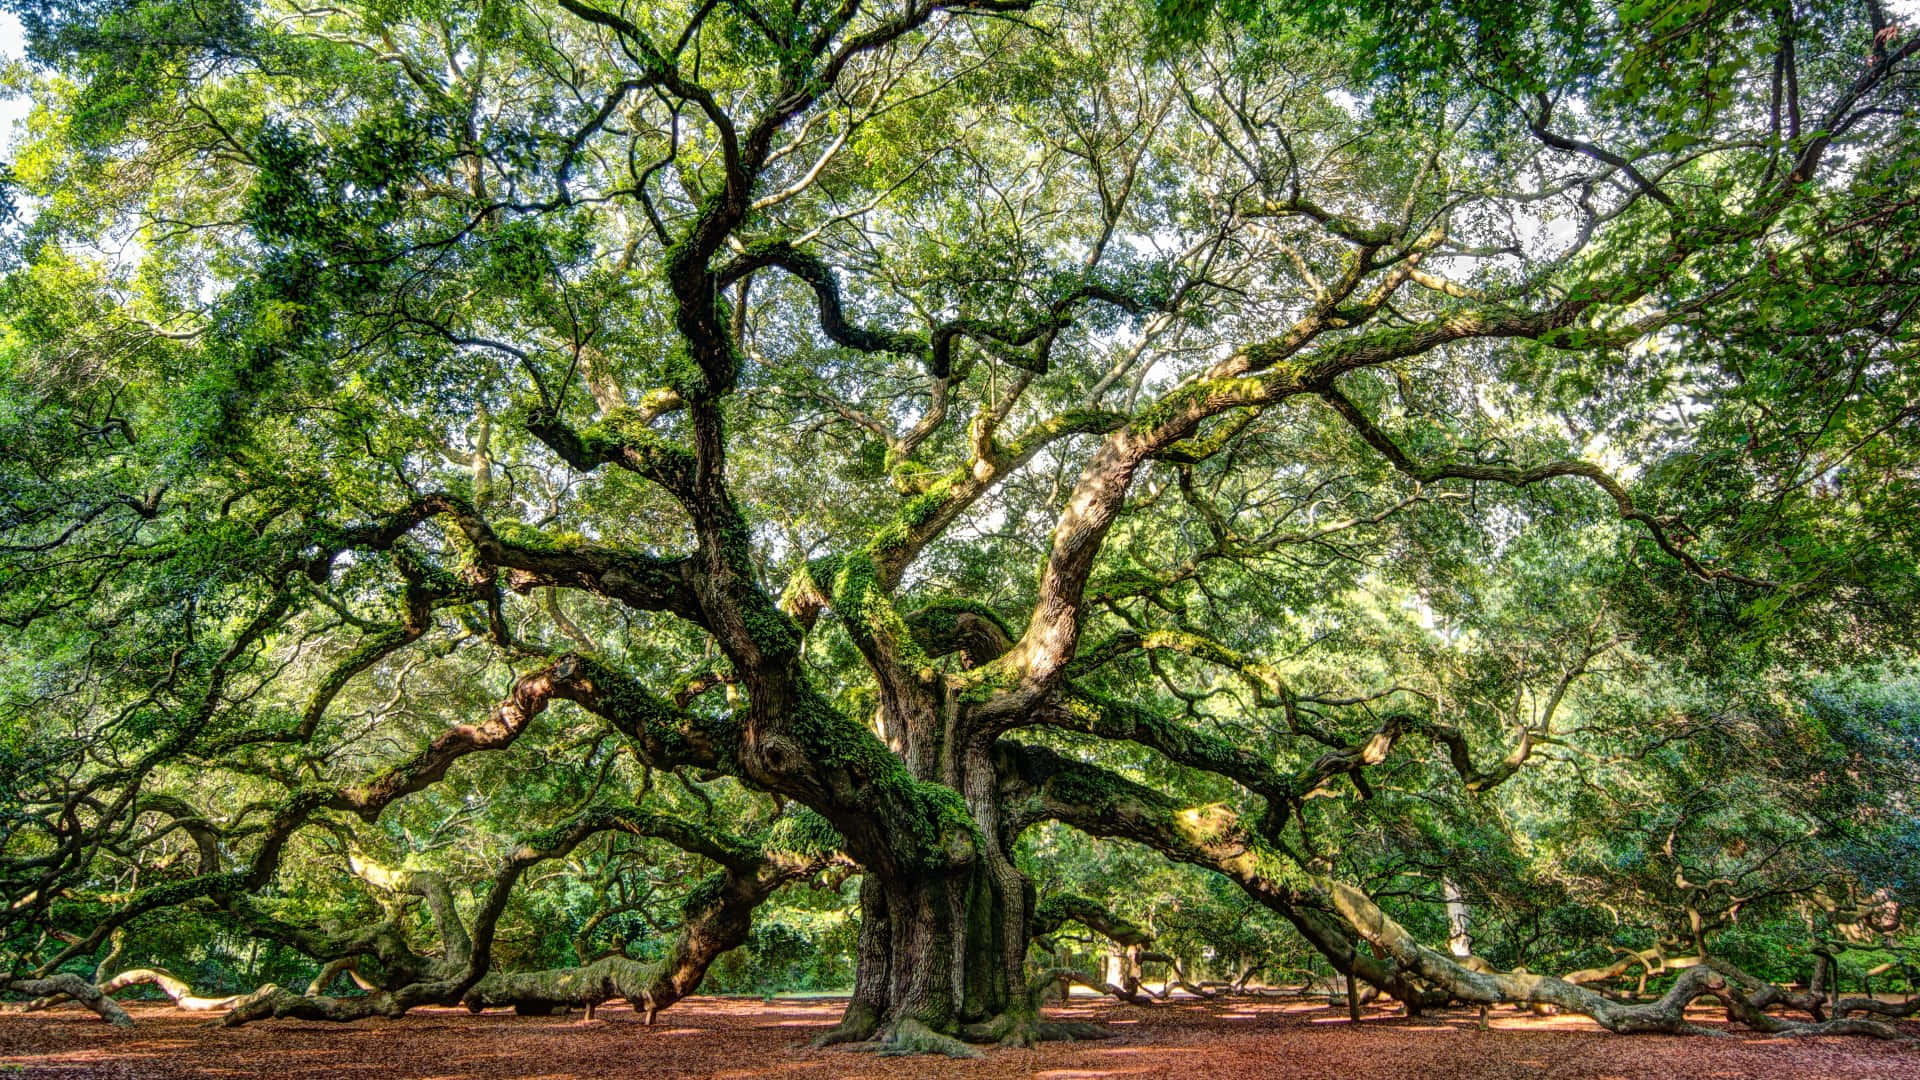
<point>730,1038</point>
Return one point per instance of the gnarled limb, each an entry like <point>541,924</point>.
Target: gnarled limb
<point>75,987</point>
<point>1039,784</point>
<point>333,969</point>
<point>176,989</point>
<point>719,915</point>
<point>1745,998</point>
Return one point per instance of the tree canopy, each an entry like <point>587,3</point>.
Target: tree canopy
<point>494,492</point>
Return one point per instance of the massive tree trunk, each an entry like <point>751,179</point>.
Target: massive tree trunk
<point>943,954</point>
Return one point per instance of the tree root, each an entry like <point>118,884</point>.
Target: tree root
<point>908,1038</point>
<point>1017,1029</point>
<point>858,1025</point>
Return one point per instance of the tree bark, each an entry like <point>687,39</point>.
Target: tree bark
<point>181,994</point>
<point>943,955</point>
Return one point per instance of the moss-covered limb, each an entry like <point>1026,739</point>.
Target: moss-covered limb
<point>429,885</point>
<point>910,700</point>
<point>532,557</point>
<point>718,918</point>
<point>1199,448</point>
<point>717,913</point>
<point>530,696</point>
<point>623,437</point>
<point>1039,784</point>
<point>1111,718</point>
<point>1054,911</point>
<point>1269,689</point>
<point>800,833</point>
<point>861,601</point>
<point>805,595</point>
<point>1745,998</point>
<point>928,512</point>
<point>72,986</point>
<point>952,624</point>
<point>1025,445</point>
<point>663,734</point>
<point>810,751</point>
<point>894,823</point>
<point>694,683</point>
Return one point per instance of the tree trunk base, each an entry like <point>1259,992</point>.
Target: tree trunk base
<point>857,1025</point>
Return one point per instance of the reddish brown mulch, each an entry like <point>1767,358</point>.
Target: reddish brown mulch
<point>715,1037</point>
